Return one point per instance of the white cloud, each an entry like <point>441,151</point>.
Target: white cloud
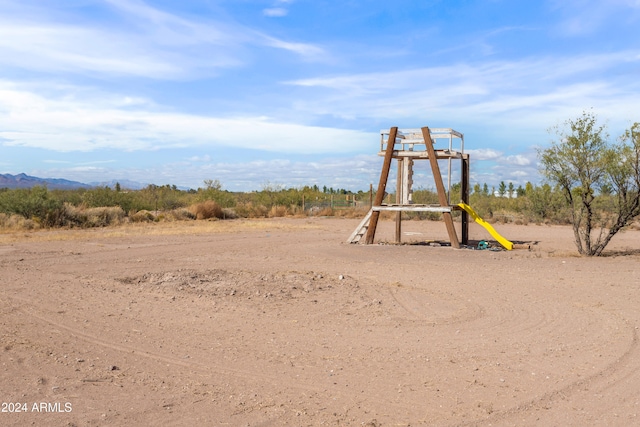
<point>56,48</point>
<point>304,49</point>
<point>584,17</point>
<point>484,154</point>
<point>518,160</point>
<point>197,159</point>
<point>527,94</point>
<point>275,12</point>
<point>143,41</point>
<point>352,173</point>
<point>64,124</point>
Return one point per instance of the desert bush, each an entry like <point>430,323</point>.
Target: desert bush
<point>72,197</point>
<point>206,210</point>
<point>249,210</point>
<point>34,204</point>
<point>142,216</point>
<point>91,217</point>
<point>483,204</point>
<point>74,216</point>
<point>16,222</point>
<point>423,216</point>
<point>277,211</point>
<point>104,216</point>
<point>229,213</point>
<point>180,214</point>
<point>505,216</point>
<point>327,211</point>
<point>277,195</point>
<point>213,191</point>
<point>165,198</point>
<point>425,197</point>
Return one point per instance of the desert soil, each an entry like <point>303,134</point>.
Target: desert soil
<point>279,322</point>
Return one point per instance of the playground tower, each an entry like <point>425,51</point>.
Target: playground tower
<point>407,147</point>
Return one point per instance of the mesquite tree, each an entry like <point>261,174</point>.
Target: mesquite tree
<point>600,181</point>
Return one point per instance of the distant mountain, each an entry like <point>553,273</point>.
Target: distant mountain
<point>25,181</point>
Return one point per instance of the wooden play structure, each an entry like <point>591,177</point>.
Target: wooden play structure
<point>408,146</point>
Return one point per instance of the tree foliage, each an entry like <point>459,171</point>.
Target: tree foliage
<point>599,180</point>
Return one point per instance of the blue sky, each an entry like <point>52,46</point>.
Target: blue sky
<point>295,92</point>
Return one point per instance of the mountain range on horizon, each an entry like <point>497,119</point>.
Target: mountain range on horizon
<point>23,180</point>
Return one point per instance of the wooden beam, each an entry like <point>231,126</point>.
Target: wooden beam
<point>399,197</point>
<point>415,208</point>
<point>465,198</point>
<point>382,185</point>
<point>442,195</point>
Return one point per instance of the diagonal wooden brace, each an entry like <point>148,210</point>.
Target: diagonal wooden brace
<point>382,185</point>
<point>442,195</point>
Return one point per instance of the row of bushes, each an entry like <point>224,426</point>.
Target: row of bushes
<point>39,207</point>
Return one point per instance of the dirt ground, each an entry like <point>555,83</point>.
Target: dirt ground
<point>279,322</point>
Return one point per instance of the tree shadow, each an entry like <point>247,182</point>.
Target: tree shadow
<point>620,252</point>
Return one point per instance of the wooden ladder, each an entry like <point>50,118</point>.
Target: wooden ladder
<point>361,230</point>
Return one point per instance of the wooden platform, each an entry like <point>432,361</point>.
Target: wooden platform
<point>405,146</point>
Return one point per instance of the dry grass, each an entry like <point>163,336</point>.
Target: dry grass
<point>92,217</point>
<point>142,216</point>
<point>70,216</point>
<point>278,212</point>
<point>207,210</point>
<point>16,222</point>
<point>249,210</point>
<point>166,228</point>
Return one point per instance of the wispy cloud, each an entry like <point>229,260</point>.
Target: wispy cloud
<point>275,12</point>
<point>585,17</point>
<point>65,124</point>
<point>517,160</point>
<point>142,41</point>
<point>484,154</point>
<point>499,91</point>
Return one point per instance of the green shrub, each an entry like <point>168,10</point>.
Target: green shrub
<point>35,204</point>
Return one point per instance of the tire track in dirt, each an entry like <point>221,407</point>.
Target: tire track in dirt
<point>528,320</point>
<point>246,375</point>
<point>488,320</point>
<point>606,378</point>
<point>421,304</point>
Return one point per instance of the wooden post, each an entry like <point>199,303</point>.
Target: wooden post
<point>442,195</point>
<point>382,185</point>
<point>465,198</point>
<point>399,197</point>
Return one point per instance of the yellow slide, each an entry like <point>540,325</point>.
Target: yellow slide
<point>504,242</point>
